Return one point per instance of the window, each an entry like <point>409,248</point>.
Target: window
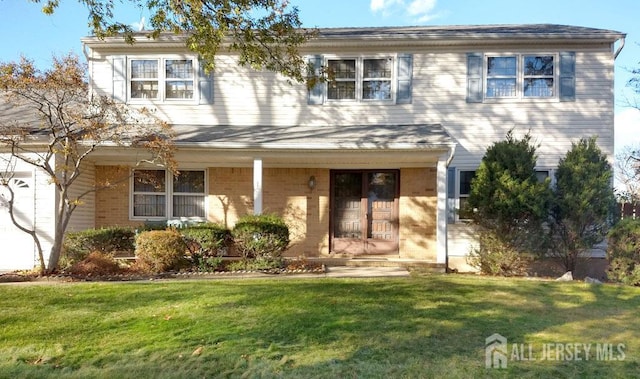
<point>179,79</point>
<point>376,81</point>
<point>150,194</point>
<point>360,79</point>
<point>520,76</point>
<point>464,190</point>
<point>174,82</point>
<point>342,85</point>
<point>538,76</point>
<point>501,77</point>
<point>144,79</point>
<point>188,194</point>
<point>542,175</point>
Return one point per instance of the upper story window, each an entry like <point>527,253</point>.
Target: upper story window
<point>378,79</point>
<point>521,77</point>
<point>162,79</point>
<point>360,79</point>
<point>342,85</point>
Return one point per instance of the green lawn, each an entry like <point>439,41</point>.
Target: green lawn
<point>422,326</point>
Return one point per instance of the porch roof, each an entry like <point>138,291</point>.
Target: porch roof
<point>316,137</point>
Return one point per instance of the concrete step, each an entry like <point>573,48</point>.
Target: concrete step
<point>364,262</point>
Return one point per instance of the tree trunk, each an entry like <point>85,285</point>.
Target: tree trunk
<point>56,250</point>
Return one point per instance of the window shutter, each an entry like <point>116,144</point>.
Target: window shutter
<point>119,76</point>
<point>474,78</point>
<point>205,84</point>
<point>568,76</point>
<point>405,75</point>
<point>316,93</point>
<point>451,182</point>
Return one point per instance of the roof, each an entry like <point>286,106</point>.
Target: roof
<point>452,34</point>
<point>473,31</point>
<point>320,137</point>
<point>22,114</point>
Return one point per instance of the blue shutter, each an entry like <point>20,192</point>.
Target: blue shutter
<point>205,85</point>
<point>316,94</point>
<point>568,76</point>
<point>405,75</point>
<point>119,79</point>
<point>474,77</point>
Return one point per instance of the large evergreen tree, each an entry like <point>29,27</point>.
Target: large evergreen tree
<point>584,201</point>
<point>509,205</point>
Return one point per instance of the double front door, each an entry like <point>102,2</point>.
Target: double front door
<point>364,209</point>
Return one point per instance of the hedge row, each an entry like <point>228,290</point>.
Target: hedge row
<point>200,246</point>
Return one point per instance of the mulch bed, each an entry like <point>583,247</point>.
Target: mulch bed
<point>314,268</point>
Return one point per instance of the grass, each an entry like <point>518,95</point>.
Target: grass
<point>423,326</point>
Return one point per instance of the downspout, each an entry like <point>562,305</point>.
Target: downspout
<point>452,149</point>
<point>619,50</point>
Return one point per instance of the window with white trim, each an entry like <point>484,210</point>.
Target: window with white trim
<point>521,76</point>
<point>161,79</point>
<point>543,173</point>
<point>361,79</point>
<point>464,191</point>
<point>186,195</point>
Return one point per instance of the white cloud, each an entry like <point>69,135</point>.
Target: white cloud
<point>421,9</point>
<point>385,6</point>
<point>417,10</point>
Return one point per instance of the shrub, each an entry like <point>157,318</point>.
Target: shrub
<point>258,264</point>
<point>623,252</point>
<point>261,237</point>
<point>495,257</point>
<point>96,264</point>
<point>209,239</point>
<point>207,243</point>
<point>584,202</point>
<point>508,203</point>
<point>160,250</point>
<point>113,240</point>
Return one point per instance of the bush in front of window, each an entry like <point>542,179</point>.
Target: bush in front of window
<point>207,243</point>
<point>508,204</point>
<point>623,252</point>
<point>261,237</point>
<point>112,240</point>
<point>160,251</point>
<point>495,257</point>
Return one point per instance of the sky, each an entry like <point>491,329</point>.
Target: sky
<point>27,31</point>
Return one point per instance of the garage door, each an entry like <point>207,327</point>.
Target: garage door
<point>17,250</point>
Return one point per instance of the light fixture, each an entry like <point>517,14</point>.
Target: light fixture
<point>312,182</point>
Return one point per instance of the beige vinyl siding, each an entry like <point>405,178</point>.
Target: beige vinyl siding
<point>246,97</point>
<point>84,215</point>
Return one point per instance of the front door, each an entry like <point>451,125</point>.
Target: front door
<point>364,207</point>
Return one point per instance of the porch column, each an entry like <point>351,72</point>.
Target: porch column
<point>441,213</point>
<point>257,186</point>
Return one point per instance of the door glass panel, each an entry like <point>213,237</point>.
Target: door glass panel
<point>347,205</point>
<point>381,194</point>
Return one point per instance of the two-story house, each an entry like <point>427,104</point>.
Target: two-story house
<point>375,161</point>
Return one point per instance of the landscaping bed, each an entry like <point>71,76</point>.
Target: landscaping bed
<point>127,273</point>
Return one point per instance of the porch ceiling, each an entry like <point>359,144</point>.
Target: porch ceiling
<point>339,146</point>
